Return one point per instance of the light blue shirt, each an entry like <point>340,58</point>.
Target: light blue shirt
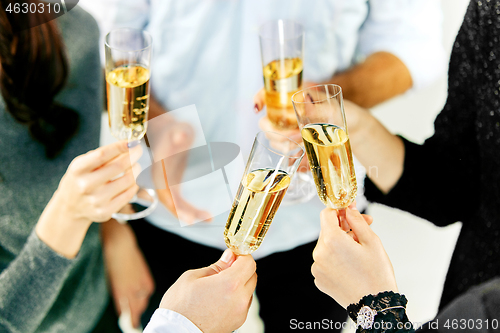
<point>207,53</point>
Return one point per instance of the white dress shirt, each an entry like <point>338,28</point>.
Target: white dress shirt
<point>168,321</point>
<point>207,53</point>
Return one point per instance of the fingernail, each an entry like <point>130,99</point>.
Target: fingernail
<point>226,256</point>
<point>256,108</point>
<point>355,208</point>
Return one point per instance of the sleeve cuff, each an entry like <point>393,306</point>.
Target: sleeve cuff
<point>164,320</point>
<point>45,253</point>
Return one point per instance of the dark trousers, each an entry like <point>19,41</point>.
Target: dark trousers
<point>286,292</point>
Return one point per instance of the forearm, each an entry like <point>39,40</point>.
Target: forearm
<point>378,150</point>
<point>112,232</point>
<point>380,77</point>
<point>61,230</point>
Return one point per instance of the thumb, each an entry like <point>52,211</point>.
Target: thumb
<point>358,225</point>
<point>225,261</point>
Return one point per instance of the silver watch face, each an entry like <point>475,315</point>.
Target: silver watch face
<point>366,317</point>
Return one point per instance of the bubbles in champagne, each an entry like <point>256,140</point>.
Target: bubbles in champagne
<point>282,79</point>
<point>330,157</point>
<point>128,101</point>
<point>257,200</point>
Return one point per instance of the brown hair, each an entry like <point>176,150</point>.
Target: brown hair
<point>34,69</point>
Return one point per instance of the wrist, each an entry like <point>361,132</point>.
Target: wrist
<point>384,312</point>
<point>62,230</point>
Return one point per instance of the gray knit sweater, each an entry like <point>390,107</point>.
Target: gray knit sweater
<point>41,291</point>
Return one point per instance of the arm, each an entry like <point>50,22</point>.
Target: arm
<point>379,151</point>
<point>380,77</point>
<point>447,167</point>
<point>32,281</point>
<point>401,44</point>
<point>130,279</point>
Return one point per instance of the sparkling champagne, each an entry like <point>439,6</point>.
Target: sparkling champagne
<point>128,101</point>
<point>258,198</point>
<point>330,157</point>
<point>282,79</point>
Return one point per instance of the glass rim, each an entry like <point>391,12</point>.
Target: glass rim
<point>276,152</point>
<point>316,86</point>
<point>301,34</point>
<point>144,32</point>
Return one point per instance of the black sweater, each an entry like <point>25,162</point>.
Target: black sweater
<point>455,174</point>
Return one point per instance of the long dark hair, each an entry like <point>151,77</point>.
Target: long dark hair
<point>34,69</point>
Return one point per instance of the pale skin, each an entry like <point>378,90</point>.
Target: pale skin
<point>348,268</point>
<point>215,298</point>
<point>130,279</point>
<point>88,192</point>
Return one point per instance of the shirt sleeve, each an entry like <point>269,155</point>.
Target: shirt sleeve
<point>412,31</point>
<point>30,285</point>
<point>168,321</point>
<point>441,178</point>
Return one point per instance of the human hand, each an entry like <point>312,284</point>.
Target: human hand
<point>266,125</point>
<point>259,98</point>
<point>96,185</point>
<point>215,298</point>
<point>128,273</point>
<point>100,182</point>
<point>346,269</point>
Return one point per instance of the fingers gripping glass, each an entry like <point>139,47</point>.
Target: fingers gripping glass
<point>321,118</point>
<point>128,57</point>
<point>270,168</point>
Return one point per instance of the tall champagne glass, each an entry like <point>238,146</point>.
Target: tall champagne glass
<point>128,57</point>
<point>270,168</point>
<point>282,50</point>
<point>321,119</point>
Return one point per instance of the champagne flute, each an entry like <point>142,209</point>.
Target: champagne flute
<point>321,119</point>
<point>282,49</point>
<point>270,168</point>
<point>128,57</point>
